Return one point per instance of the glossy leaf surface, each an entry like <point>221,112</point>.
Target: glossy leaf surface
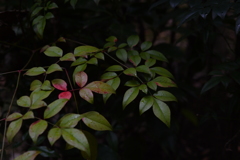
<point>96,121</point>
<point>145,104</point>
<point>54,107</point>
<point>35,71</point>
<point>37,128</point>
<point>53,51</point>
<point>130,95</point>
<point>53,68</point>
<point>162,111</point>
<point>53,135</point>
<point>13,129</point>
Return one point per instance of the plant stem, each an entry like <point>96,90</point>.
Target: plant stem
<point>9,110</point>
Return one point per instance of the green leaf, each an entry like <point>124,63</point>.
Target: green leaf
<point>99,56</point>
<point>46,86</point>
<point>38,104</point>
<point>53,51</point>
<point>73,3</point>
<point>87,95</point>
<point>96,121</point>
<point>29,155</point>
<point>77,139</point>
<point>162,71</point>
<point>132,83</point>
<point>133,40</point>
<point>143,69</point>
<point>122,55</point>
<point>93,61</point>
<point>145,104</point>
<point>130,72</point>
<point>113,48</point>
<point>157,55</point>
<point>37,19</point>
<point>28,115</point>
<point>165,96</point>
<point>122,45</point>
<point>164,82</point>
<point>211,83</point>
<point>162,111</point>
<point>111,39</point>
<point>41,26</point>
<point>115,82</point>
<point>143,88</point>
<point>85,50</point>
<point>115,68</point>
<point>81,78</point>
<point>59,84</point>
<point>24,101</point>
<point>53,135</point>
<point>152,85</point>
<point>130,95</point>
<point>36,84</point>
<point>37,128</point>
<point>13,129</point>
<point>108,75</point>
<point>79,61</point>
<point>79,68</point>
<point>52,6</point>
<point>54,107</point>
<point>100,87</point>
<point>146,45</point>
<point>135,60</point>
<point>44,48</point>
<point>109,44</point>
<point>14,116</point>
<point>132,53</point>
<point>38,96</point>
<point>150,62</point>
<point>69,120</point>
<point>68,57</point>
<point>36,11</point>
<point>93,147</point>
<point>49,15</point>
<point>53,68</point>
<point>144,55</point>
<point>35,71</point>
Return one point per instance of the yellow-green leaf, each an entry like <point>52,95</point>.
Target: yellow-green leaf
<point>162,111</point>
<point>35,71</point>
<point>54,134</point>
<point>37,128</point>
<point>13,129</point>
<point>84,50</point>
<point>130,95</point>
<point>53,68</point>
<point>29,155</point>
<point>53,51</point>
<point>54,107</point>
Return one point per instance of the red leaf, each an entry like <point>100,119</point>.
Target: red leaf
<point>59,84</point>
<point>81,78</point>
<point>65,95</point>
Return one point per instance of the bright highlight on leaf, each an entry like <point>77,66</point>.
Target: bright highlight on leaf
<point>130,72</point>
<point>59,84</point>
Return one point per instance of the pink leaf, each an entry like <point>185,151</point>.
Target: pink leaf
<point>81,78</point>
<point>65,95</point>
<point>59,84</point>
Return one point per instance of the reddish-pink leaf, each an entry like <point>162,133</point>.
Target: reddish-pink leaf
<point>81,78</point>
<point>86,94</point>
<point>65,95</point>
<point>59,84</point>
<point>100,87</point>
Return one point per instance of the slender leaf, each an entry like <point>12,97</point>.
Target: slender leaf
<point>115,82</point>
<point>115,68</point>
<point>165,96</point>
<point>96,121</point>
<point>13,129</point>
<point>164,82</point>
<point>130,72</point>
<point>108,75</point>
<point>53,68</point>
<point>54,107</point>
<point>70,120</point>
<point>130,95</point>
<point>100,87</point>
<point>157,55</point>
<point>162,111</point>
<point>68,57</point>
<point>87,95</point>
<point>54,134</point>
<point>35,71</point>
<point>145,104</point>
<point>29,155</point>
<point>85,50</point>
